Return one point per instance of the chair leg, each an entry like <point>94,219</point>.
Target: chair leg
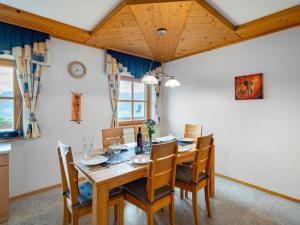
<point>121,212</point>
<point>75,217</point>
<point>195,207</point>
<point>66,216</point>
<point>171,210</point>
<point>186,193</point>
<point>116,212</point>
<point>181,193</point>
<point>149,218</point>
<point>207,200</point>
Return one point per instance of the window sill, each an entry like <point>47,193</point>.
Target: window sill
<point>12,140</point>
<point>131,123</point>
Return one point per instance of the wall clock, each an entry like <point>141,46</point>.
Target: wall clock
<point>77,69</point>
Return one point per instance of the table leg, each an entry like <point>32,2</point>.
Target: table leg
<point>100,205</point>
<point>212,174</point>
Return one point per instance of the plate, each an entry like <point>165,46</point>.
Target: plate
<point>183,149</point>
<point>91,161</point>
<point>140,159</point>
<point>187,140</point>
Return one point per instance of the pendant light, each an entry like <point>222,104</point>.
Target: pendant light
<point>149,78</point>
<point>172,82</point>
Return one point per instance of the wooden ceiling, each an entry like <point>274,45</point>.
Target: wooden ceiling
<point>192,27</point>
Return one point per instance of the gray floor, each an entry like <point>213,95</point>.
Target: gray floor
<point>234,204</point>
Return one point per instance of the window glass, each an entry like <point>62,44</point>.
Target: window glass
<point>125,110</point>
<point>6,114</point>
<point>7,82</point>
<point>139,110</point>
<point>139,91</point>
<point>125,92</point>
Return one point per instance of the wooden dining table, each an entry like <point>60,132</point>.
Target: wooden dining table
<point>105,178</point>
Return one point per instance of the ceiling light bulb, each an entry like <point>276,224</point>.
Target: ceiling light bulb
<point>172,83</point>
<point>149,79</point>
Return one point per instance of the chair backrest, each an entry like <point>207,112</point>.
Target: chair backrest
<point>192,131</point>
<point>112,134</point>
<point>202,159</point>
<point>69,174</point>
<point>162,168</point>
<point>144,130</point>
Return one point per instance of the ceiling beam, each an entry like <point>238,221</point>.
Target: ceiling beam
<point>275,22</point>
<point>31,21</point>
<point>216,14</point>
<point>138,2</point>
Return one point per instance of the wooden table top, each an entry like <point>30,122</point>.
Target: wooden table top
<point>101,175</point>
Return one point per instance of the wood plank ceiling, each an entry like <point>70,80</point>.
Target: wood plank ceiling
<point>193,26</point>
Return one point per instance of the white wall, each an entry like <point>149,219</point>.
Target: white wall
<point>257,141</point>
<point>34,164</point>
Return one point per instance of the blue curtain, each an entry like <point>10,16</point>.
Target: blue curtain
<point>137,66</point>
<point>13,36</point>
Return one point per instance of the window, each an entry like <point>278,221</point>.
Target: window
<point>134,104</point>
<point>10,97</point>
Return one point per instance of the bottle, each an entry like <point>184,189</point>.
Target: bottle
<point>139,139</point>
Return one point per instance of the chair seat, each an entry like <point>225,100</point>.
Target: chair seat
<point>85,195</point>
<point>184,174</point>
<point>138,189</point>
<point>189,162</point>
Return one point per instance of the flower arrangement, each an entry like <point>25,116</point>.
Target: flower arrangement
<point>151,127</point>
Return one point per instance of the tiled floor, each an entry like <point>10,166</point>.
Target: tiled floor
<point>234,204</point>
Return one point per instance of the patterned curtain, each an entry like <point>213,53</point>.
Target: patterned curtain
<point>30,62</point>
<point>113,70</point>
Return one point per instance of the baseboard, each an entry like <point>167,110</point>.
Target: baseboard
<point>259,188</point>
<point>28,194</point>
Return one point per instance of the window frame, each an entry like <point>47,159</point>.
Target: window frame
<point>147,102</point>
<point>17,98</point>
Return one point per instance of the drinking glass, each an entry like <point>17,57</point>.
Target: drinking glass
<point>170,132</point>
<point>91,143</point>
<point>146,144</point>
<point>115,148</point>
<point>85,147</point>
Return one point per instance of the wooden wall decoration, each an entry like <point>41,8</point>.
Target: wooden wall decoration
<point>193,26</point>
<point>76,107</point>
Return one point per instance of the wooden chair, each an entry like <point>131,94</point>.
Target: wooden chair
<point>156,191</point>
<point>144,130</point>
<point>194,178</point>
<point>77,199</point>
<point>192,131</point>
<point>112,134</point>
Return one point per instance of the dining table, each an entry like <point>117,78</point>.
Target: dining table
<point>108,176</point>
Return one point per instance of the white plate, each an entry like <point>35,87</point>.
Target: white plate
<point>165,139</point>
<point>95,160</point>
<point>140,159</point>
<point>183,149</point>
<point>187,140</point>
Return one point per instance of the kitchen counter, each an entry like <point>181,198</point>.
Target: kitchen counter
<point>5,148</point>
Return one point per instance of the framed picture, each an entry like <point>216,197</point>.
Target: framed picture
<point>249,87</point>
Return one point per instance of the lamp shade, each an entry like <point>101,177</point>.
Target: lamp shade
<point>149,79</point>
<point>172,83</point>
